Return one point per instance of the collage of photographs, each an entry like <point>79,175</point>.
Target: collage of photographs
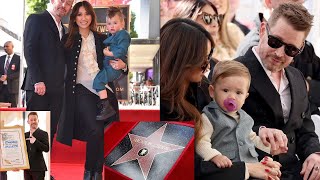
<point>159,89</point>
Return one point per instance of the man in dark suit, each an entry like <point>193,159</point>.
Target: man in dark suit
<point>307,61</point>
<point>278,98</point>
<point>43,49</point>
<point>37,142</point>
<point>10,72</point>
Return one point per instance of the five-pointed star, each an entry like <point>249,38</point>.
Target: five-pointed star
<point>154,146</point>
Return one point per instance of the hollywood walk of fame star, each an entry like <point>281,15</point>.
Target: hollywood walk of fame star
<point>144,149</point>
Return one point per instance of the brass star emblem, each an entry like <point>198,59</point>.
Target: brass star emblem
<point>144,149</point>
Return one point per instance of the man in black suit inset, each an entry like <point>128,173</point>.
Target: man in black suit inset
<point>43,50</point>
<point>278,98</point>
<point>37,142</point>
<point>9,72</point>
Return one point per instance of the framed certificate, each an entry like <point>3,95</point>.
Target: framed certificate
<point>13,152</point>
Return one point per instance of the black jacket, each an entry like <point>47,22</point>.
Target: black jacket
<point>13,73</point>
<point>35,150</point>
<point>264,106</point>
<point>43,52</point>
<point>65,128</point>
<point>309,64</point>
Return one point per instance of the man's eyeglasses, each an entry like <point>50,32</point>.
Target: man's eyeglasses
<point>276,43</point>
<point>205,65</point>
<point>209,19</point>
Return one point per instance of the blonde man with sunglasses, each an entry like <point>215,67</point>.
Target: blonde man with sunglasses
<point>278,98</point>
<point>307,61</point>
<point>252,38</point>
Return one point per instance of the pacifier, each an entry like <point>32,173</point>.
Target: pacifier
<point>230,104</point>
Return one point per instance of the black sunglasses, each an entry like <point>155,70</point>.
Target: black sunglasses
<point>208,18</point>
<point>205,65</point>
<point>276,43</point>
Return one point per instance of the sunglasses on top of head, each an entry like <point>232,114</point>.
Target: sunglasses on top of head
<point>205,65</point>
<point>209,18</point>
<point>276,43</point>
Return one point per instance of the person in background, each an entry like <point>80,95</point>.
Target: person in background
<point>10,73</point>
<point>229,36</point>
<point>174,9</point>
<point>234,5</point>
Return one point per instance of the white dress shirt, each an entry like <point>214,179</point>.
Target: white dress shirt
<point>59,26</point>
<point>283,90</point>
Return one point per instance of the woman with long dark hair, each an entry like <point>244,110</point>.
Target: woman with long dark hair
<point>84,59</point>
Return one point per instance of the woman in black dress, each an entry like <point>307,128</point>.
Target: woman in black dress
<point>84,59</point>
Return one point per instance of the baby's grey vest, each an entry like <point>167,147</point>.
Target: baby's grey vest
<point>231,138</point>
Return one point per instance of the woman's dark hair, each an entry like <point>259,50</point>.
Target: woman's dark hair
<point>183,46</point>
<point>73,27</point>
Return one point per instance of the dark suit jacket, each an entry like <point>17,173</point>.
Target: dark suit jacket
<point>13,73</point>
<point>264,106</point>
<point>43,51</point>
<point>35,150</point>
<point>309,64</point>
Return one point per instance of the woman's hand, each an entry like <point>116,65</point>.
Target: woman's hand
<point>266,169</point>
<point>274,137</point>
<point>118,64</point>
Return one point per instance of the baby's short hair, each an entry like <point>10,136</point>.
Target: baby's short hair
<point>225,69</point>
<point>113,11</point>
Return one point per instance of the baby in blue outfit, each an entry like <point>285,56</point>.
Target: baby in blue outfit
<point>117,45</point>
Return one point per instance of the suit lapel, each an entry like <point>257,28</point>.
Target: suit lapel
<point>294,90</point>
<point>28,134</point>
<point>263,85</point>
<point>63,29</point>
<point>52,24</point>
<point>36,133</point>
